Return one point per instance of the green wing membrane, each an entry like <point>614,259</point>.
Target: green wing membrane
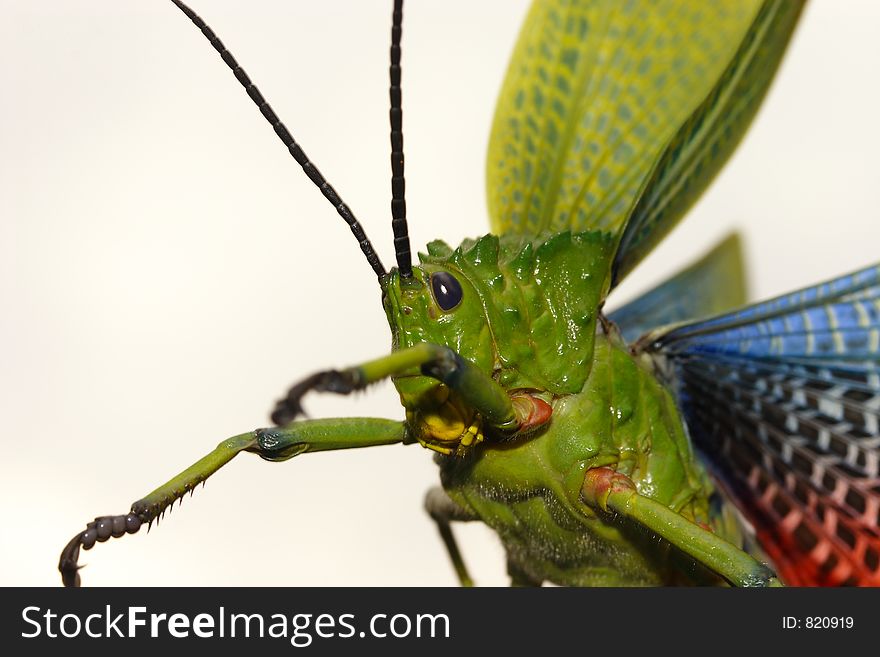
<point>705,141</point>
<point>598,90</point>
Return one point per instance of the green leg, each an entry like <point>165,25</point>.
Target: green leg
<point>477,388</point>
<point>273,444</point>
<point>443,510</point>
<point>609,491</point>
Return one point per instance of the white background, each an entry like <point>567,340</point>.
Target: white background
<point>166,270</point>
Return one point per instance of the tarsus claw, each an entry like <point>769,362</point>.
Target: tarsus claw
<point>67,565</point>
<point>100,529</point>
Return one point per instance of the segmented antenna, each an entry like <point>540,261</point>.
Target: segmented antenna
<point>398,204</point>
<point>298,154</point>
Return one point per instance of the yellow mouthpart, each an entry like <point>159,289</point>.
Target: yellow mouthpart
<point>439,419</point>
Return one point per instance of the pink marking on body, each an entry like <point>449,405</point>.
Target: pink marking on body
<point>601,483</point>
<point>599,480</point>
<point>531,411</point>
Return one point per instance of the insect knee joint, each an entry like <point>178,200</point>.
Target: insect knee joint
<point>275,444</point>
<point>604,485</point>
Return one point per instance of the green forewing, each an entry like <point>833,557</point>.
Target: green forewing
<point>596,91</point>
<point>705,141</point>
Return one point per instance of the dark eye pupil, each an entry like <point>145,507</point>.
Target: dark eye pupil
<point>447,290</point>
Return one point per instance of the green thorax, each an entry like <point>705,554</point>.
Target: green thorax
<point>529,490</point>
<point>529,310</point>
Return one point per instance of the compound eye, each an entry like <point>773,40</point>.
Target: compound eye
<point>447,290</point>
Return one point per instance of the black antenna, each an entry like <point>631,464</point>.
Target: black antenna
<point>398,186</point>
<point>297,152</point>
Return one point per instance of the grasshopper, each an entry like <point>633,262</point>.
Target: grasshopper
<point>620,504</point>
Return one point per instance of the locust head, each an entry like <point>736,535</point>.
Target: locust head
<point>437,304</point>
<point>505,305</point>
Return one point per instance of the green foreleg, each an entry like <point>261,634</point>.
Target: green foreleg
<point>609,491</point>
<point>280,444</point>
<point>272,444</point>
<point>476,388</point>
